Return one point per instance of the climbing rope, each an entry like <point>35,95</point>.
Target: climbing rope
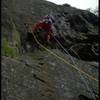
<point>72,65</point>
<point>81,71</point>
<point>64,49</point>
<point>83,79</point>
<point>86,84</point>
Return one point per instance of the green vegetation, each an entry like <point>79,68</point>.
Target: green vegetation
<point>11,49</point>
<point>7,50</point>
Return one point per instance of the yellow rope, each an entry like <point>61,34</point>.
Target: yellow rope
<point>79,70</point>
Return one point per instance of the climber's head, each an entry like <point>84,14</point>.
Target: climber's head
<point>49,19</point>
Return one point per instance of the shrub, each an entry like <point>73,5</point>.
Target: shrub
<point>7,50</point>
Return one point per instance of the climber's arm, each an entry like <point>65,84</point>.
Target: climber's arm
<point>36,26</point>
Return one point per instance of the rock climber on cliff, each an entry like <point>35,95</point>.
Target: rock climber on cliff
<point>46,26</point>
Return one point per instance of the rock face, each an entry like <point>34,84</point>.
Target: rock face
<point>41,76</point>
<point>38,75</point>
<point>75,25</point>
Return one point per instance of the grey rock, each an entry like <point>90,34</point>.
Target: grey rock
<point>31,80</point>
<point>38,75</point>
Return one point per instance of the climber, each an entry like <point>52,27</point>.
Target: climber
<point>46,26</point>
